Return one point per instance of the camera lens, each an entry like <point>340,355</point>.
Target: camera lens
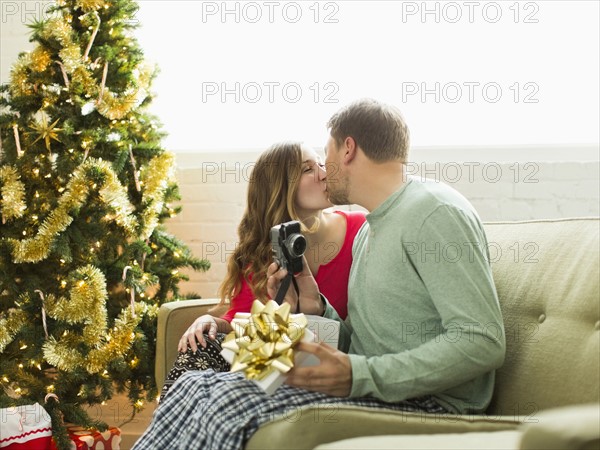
<point>296,245</point>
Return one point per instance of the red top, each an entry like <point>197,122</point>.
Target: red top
<point>332,278</point>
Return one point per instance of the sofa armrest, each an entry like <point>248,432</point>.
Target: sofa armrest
<point>173,320</point>
<point>573,427</point>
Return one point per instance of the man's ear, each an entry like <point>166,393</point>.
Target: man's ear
<point>350,149</point>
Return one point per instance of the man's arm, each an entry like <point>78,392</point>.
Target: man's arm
<point>470,340</point>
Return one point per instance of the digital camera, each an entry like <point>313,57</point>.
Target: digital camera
<point>288,246</point>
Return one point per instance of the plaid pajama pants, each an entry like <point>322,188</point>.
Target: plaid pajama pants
<point>208,410</point>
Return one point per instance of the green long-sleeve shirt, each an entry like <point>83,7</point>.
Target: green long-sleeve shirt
<point>423,313</point>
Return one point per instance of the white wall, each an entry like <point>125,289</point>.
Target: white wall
<point>14,35</point>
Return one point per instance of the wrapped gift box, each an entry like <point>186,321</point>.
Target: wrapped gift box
<point>323,330</point>
<point>84,439</point>
<point>318,329</point>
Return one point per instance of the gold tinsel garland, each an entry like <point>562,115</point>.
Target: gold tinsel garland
<point>84,77</point>
<point>12,194</point>
<point>10,326</point>
<point>117,342</point>
<point>40,59</point>
<point>19,79</point>
<point>71,57</point>
<point>155,179</point>
<point>58,29</point>
<point>117,106</point>
<point>112,193</point>
<point>113,107</point>
<point>90,5</point>
<point>89,288</point>
<point>86,304</point>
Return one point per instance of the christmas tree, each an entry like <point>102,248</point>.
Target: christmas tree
<point>84,187</point>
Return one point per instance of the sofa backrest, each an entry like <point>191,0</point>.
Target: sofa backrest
<point>547,275</point>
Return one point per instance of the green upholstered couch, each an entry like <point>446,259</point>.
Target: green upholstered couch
<point>547,275</point>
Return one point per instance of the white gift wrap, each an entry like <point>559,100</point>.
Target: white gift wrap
<point>318,329</point>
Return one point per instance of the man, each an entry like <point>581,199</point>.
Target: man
<point>424,330</point>
<point>423,313</point>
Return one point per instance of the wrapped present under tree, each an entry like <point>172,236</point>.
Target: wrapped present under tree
<point>83,439</point>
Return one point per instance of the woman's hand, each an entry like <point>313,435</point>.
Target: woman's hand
<point>203,324</point>
<point>310,299</point>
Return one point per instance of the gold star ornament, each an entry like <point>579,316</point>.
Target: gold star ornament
<point>45,130</point>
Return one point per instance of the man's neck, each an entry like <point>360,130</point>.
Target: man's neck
<point>378,182</point>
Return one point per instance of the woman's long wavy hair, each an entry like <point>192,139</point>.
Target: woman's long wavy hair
<point>271,200</point>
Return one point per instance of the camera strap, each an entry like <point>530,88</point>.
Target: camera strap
<point>285,284</point>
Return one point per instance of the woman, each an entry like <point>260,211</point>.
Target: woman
<point>287,183</point>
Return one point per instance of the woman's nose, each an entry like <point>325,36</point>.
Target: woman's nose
<point>322,172</point>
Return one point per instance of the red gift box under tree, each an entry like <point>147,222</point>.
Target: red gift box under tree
<point>84,439</point>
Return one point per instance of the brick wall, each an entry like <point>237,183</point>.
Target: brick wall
<point>524,186</point>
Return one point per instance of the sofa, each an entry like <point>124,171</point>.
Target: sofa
<point>547,275</point>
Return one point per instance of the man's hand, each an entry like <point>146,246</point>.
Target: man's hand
<point>333,376</point>
<point>310,300</point>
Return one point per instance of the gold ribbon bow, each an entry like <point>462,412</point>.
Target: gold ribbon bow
<point>264,339</point>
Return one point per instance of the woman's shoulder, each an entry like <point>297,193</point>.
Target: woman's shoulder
<point>353,217</point>
<point>353,214</point>
<point>354,220</point>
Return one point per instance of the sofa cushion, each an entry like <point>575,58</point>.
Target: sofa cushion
<point>496,440</point>
<point>574,428</point>
<point>173,319</point>
<point>307,427</point>
<point>547,275</point>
